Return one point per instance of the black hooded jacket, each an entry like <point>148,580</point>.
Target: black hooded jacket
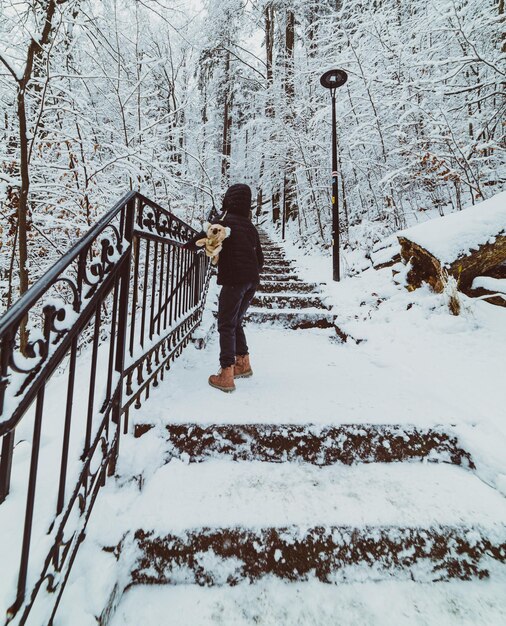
<point>241,258</point>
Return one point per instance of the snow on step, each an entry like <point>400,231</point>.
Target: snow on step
<point>287,287</point>
<point>278,271</point>
<point>277,603</point>
<point>284,301</point>
<point>232,521</point>
<point>275,258</point>
<point>278,262</point>
<point>268,275</point>
<point>221,494</point>
<point>291,318</point>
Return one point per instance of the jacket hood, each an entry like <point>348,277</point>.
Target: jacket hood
<point>237,200</point>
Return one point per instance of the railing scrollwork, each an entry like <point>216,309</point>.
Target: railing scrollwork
<point>88,340</point>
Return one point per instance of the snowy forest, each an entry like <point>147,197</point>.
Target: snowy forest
<point>178,193</point>
<point>181,99</point>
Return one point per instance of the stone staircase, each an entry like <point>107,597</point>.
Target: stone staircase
<point>305,502</point>
<point>284,299</point>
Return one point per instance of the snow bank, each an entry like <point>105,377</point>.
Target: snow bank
<point>491,284</point>
<point>453,236</point>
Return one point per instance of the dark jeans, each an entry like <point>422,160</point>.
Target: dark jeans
<point>233,304</point>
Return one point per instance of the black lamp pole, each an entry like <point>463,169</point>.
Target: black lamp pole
<point>332,80</point>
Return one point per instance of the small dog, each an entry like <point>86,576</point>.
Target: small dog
<point>213,243</point>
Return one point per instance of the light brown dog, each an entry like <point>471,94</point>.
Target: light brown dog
<point>213,243</point>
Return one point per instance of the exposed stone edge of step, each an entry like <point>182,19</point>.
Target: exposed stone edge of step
<point>294,302</point>
<point>313,443</point>
<point>293,289</point>
<point>279,278</point>
<point>227,555</point>
<point>292,318</point>
<point>284,270</point>
<point>308,297</point>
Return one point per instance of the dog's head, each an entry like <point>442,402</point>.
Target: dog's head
<point>216,232</point>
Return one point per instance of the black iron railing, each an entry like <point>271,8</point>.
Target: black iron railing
<point>86,342</point>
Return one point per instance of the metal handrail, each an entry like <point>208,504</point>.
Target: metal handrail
<point>127,290</point>
<point>18,310</point>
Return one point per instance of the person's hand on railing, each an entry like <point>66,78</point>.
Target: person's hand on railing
<point>190,245</point>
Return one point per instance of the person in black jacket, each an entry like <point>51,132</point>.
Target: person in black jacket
<point>240,262</point>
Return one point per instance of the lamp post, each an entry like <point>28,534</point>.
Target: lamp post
<point>332,80</point>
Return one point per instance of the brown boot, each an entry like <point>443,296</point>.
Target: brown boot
<point>242,367</point>
<point>224,379</point>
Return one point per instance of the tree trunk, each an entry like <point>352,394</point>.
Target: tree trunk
<point>34,51</point>
<point>227,123</point>
<point>312,26</point>
<point>269,102</point>
<point>289,184</point>
<point>269,47</point>
<point>23,194</point>
<point>500,8</point>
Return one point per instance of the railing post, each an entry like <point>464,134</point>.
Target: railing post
<point>6,464</point>
<point>121,337</point>
<point>8,439</point>
<point>196,280</point>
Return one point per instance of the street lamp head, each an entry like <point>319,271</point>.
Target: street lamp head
<point>333,79</point>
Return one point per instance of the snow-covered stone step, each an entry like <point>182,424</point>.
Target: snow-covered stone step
<point>276,261</point>
<point>274,254</point>
<point>272,602</point>
<point>277,276</point>
<point>272,248</point>
<point>295,319</point>
<point>284,301</point>
<point>271,261</point>
<point>276,269</point>
<point>312,443</point>
<point>278,265</point>
<point>219,522</point>
<point>288,288</point>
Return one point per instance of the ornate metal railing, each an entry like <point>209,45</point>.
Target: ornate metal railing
<point>86,342</point>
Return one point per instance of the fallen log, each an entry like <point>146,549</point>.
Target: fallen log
<point>464,245</point>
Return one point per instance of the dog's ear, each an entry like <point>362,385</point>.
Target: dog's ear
<point>206,226</point>
<point>227,231</point>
